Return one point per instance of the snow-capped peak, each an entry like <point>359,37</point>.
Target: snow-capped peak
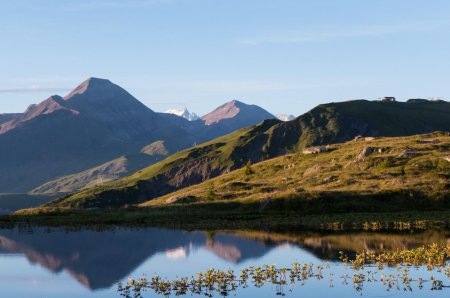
<point>183,113</point>
<point>285,117</point>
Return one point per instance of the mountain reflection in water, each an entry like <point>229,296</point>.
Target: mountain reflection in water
<point>99,259</point>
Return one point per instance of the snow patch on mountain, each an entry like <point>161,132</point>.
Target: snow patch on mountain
<point>285,117</point>
<point>183,113</point>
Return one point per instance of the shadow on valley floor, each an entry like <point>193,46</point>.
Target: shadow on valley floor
<point>99,259</point>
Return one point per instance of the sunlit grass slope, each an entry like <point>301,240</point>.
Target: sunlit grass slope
<point>398,174</point>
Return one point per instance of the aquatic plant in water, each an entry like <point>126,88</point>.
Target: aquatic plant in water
<point>367,267</point>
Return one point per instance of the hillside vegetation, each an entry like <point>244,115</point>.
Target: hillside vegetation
<point>384,174</point>
<point>326,124</point>
<point>364,175</point>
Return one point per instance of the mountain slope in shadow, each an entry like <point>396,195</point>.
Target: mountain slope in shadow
<point>70,137</point>
<point>95,123</point>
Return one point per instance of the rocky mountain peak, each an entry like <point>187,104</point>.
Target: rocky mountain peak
<point>105,101</point>
<point>234,109</point>
<point>91,85</point>
<point>225,111</point>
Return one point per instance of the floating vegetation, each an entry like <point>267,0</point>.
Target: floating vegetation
<point>392,270</point>
<point>432,256</point>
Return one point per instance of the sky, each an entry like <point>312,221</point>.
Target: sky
<point>285,55</point>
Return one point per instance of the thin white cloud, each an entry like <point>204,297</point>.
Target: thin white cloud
<point>44,80</point>
<point>332,33</point>
<point>50,84</point>
<point>32,89</point>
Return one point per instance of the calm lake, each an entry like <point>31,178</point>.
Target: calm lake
<point>42,262</point>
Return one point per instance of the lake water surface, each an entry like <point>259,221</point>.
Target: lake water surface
<point>42,262</point>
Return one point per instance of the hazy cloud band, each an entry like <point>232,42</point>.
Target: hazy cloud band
<point>32,90</point>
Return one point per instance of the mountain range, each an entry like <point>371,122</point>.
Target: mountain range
<point>192,116</point>
<point>97,133</point>
<point>326,124</point>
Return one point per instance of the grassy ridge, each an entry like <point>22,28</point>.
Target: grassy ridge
<point>405,173</point>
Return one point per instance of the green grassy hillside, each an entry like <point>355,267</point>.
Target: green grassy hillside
<point>340,122</point>
<point>381,183</point>
<point>325,124</point>
<point>394,174</point>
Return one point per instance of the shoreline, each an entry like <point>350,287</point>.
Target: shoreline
<point>180,217</point>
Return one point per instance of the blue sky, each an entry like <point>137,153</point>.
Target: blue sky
<point>286,56</point>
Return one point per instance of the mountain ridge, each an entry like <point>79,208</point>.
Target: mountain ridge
<point>83,130</point>
<point>325,124</point>
<point>6,117</point>
<point>48,106</point>
<point>233,109</point>
<point>87,86</point>
<point>97,123</point>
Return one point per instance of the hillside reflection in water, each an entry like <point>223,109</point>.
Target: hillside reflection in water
<point>41,262</point>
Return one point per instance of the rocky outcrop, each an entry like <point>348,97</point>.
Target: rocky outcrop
<point>427,141</point>
<point>330,179</point>
<point>315,150</point>
<point>407,153</point>
<point>365,153</point>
